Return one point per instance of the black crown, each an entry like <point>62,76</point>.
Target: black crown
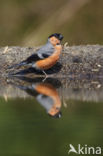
<point>57,35</point>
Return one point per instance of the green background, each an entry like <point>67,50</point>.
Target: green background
<point>30,22</point>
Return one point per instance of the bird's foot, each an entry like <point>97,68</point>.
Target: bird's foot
<point>46,76</point>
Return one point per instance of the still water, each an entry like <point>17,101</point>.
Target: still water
<point>44,116</point>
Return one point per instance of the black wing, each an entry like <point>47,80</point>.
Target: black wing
<point>45,55</point>
<point>32,58</point>
<point>35,57</point>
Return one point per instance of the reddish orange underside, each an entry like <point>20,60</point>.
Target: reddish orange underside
<point>50,91</point>
<point>51,60</point>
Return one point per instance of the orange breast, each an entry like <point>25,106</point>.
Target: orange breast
<point>51,60</point>
<point>48,90</point>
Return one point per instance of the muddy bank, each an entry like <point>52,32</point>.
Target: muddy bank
<point>75,60</point>
<point>79,71</point>
<point>68,89</point>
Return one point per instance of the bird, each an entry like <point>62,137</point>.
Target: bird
<point>45,93</point>
<point>46,57</point>
<point>48,97</point>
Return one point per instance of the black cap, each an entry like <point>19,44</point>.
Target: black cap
<point>57,115</point>
<point>57,35</point>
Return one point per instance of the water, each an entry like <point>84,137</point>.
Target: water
<point>27,129</point>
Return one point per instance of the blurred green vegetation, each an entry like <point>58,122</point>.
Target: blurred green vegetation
<point>26,129</point>
<point>29,22</point>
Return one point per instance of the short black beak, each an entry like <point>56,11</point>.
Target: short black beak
<point>58,115</point>
<point>60,37</point>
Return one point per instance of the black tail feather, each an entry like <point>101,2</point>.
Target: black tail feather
<point>17,65</point>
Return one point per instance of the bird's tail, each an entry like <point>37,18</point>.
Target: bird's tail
<point>17,65</point>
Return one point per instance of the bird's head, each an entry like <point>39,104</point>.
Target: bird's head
<point>55,113</point>
<point>55,39</point>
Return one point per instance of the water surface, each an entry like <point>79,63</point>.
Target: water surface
<point>27,129</point>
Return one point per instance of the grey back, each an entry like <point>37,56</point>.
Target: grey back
<point>47,49</point>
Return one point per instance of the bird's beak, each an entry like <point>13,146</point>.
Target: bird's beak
<point>60,37</point>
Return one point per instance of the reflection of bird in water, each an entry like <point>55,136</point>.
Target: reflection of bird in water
<point>49,98</point>
<point>46,57</point>
<point>45,94</point>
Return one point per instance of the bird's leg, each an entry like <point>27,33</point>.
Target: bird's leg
<point>45,75</point>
